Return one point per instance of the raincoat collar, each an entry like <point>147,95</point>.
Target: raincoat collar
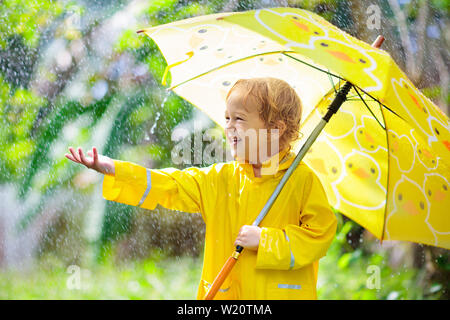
<point>272,167</point>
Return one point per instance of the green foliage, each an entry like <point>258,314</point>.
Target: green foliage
<point>50,132</point>
<point>155,278</point>
<point>435,92</point>
<point>25,17</point>
<point>351,274</point>
<point>134,119</point>
<point>18,112</point>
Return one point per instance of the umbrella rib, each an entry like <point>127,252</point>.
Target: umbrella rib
<point>382,104</point>
<point>332,82</point>
<point>331,74</point>
<point>356,96</point>
<point>225,65</point>
<point>357,99</point>
<point>284,52</point>
<point>370,110</point>
<point>387,181</point>
<point>310,65</point>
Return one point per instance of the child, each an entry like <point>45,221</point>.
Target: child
<point>281,255</point>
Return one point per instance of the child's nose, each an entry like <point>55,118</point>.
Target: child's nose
<point>229,124</point>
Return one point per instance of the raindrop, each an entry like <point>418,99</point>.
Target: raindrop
<point>152,129</point>
<point>99,89</point>
<point>158,114</point>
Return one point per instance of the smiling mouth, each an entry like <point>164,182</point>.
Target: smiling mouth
<point>235,140</point>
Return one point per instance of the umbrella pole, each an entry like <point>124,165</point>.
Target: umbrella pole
<point>338,100</point>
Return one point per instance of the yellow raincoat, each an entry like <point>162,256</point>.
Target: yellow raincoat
<point>296,232</point>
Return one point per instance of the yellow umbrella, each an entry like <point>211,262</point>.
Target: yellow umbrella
<point>384,158</point>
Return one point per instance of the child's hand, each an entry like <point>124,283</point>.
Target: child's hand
<point>96,162</point>
<point>248,237</point>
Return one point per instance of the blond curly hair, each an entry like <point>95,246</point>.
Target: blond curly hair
<point>277,100</point>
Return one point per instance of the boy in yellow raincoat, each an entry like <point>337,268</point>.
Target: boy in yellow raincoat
<point>282,253</point>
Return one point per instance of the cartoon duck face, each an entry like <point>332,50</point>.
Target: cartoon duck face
<point>343,52</point>
<point>199,43</point>
<point>413,107</point>
<point>423,153</point>
<point>304,26</point>
<point>361,167</point>
<point>437,190</point>
<point>409,213</point>
<point>426,157</point>
<point>345,56</point>
<point>227,53</point>
<point>243,44</point>
<point>224,83</point>
<point>323,158</point>
<point>370,135</point>
<point>340,125</point>
<point>271,60</point>
<point>204,39</point>
<point>289,26</point>
<point>270,64</point>
<point>442,134</point>
<point>402,150</point>
<point>362,173</point>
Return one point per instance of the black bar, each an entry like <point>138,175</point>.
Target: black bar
<point>340,98</point>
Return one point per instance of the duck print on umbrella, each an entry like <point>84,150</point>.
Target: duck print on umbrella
<point>364,174</point>
<point>412,108</point>
<point>441,141</point>
<point>342,124</point>
<point>369,136</point>
<point>437,190</point>
<point>402,150</point>
<point>387,131</point>
<point>300,27</point>
<point>345,56</point>
<point>423,153</point>
<point>411,210</point>
<point>329,165</point>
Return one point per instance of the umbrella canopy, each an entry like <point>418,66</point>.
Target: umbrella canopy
<point>384,158</point>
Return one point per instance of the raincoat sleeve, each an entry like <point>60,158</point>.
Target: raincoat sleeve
<point>296,246</point>
<point>185,190</point>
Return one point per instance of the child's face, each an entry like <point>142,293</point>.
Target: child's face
<point>246,132</point>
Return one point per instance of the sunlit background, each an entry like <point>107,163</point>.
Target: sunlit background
<point>75,73</point>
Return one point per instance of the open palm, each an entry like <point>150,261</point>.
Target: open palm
<point>93,161</point>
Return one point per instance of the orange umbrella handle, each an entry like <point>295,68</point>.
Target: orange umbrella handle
<point>218,281</point>
<point>378,41</point>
